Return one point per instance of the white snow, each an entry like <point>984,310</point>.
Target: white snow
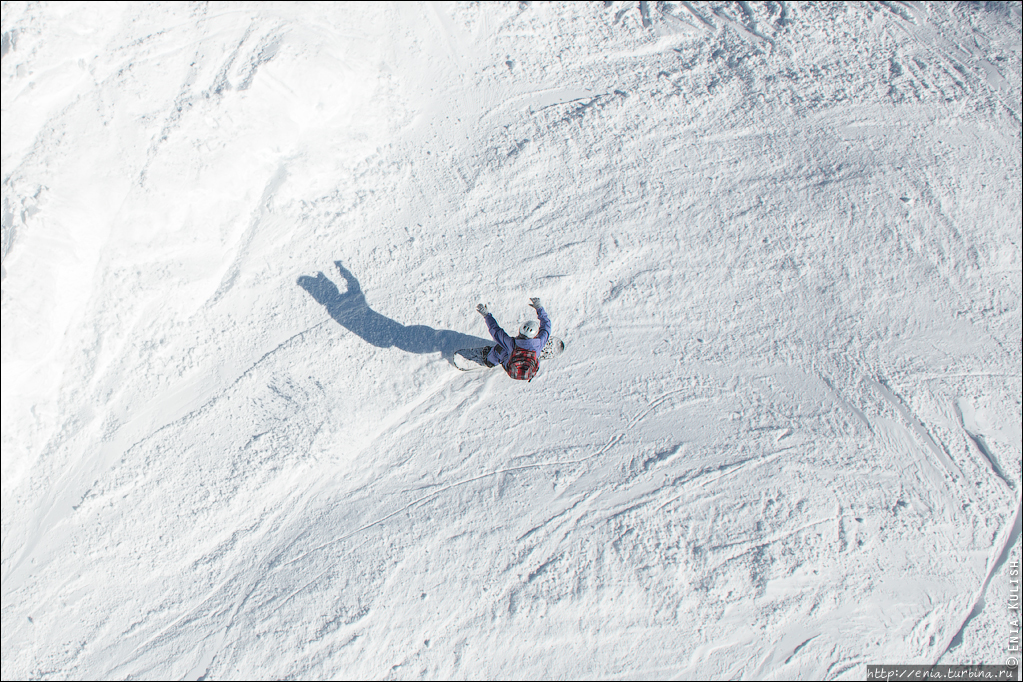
<point>781,241</point>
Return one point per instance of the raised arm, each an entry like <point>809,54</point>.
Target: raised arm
<point>545,321</point>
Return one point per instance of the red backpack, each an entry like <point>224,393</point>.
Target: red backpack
<point>523,364</point>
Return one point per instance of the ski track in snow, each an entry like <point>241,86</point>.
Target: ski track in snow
<point>241,243</point>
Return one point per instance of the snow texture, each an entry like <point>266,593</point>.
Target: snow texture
<point>241,242</point>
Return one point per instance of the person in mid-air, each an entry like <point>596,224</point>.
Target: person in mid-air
<point>520,356</point>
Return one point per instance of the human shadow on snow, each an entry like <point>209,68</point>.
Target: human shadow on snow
<point>350,310</point>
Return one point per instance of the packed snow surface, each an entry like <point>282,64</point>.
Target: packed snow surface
<point>241,242</point>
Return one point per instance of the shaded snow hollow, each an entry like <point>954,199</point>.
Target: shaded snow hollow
<point>241,241</point>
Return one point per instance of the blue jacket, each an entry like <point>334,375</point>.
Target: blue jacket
<point>501,352</point>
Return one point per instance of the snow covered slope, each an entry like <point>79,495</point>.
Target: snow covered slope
<point>241,242</point>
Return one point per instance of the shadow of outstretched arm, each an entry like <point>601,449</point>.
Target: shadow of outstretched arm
<point>350,310</point>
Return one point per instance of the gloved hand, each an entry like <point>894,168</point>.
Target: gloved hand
<point>482,310</point>
<point>535,302</point>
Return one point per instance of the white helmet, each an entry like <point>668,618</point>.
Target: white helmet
<point>529,330</point>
